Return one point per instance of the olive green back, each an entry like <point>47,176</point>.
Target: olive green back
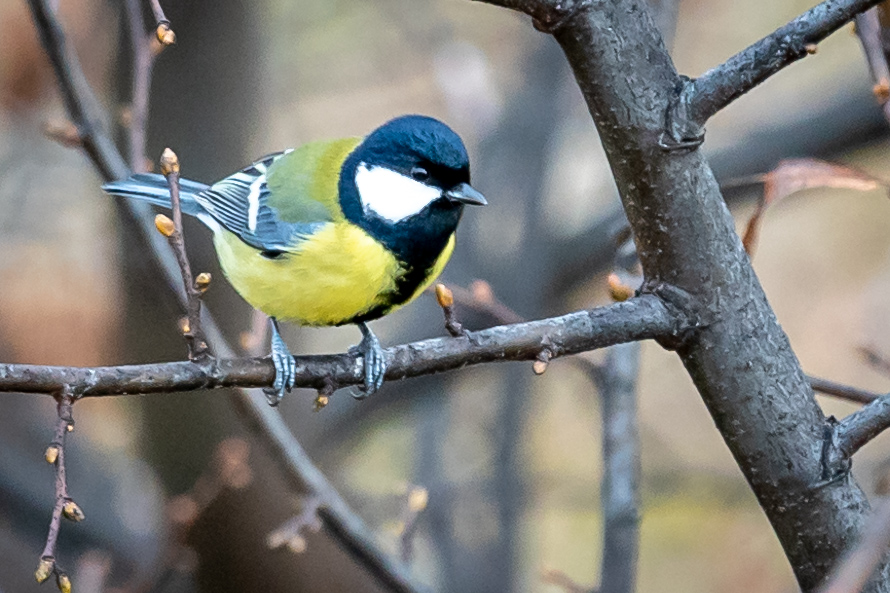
<point>304,183</point>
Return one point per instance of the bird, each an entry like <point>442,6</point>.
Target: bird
<point>333,232</point>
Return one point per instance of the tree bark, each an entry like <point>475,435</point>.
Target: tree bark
<point>740,359</point>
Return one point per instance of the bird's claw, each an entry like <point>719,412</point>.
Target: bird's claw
<point>285,369</point>
<point>373,363</point>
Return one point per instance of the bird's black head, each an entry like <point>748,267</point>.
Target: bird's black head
<point>406,184</point>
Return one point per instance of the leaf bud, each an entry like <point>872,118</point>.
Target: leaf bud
<point>164,225</point>
<point>169,162</point>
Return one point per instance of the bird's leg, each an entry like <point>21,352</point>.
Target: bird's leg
<point>285,367</point>
<point>374,362</point>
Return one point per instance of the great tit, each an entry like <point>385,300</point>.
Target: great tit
<point>333,232</point>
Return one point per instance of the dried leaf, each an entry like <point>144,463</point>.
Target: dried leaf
<point>560,579</point>
<point>794,175</point>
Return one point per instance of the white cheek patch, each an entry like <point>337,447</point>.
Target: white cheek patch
<point>391,195</point>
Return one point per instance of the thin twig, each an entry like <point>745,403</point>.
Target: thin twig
<point>194,289</point>
<point>868,29</point>
<point>84,110</point>
<point>558,578</point>
<point>839,390</point>
<point>876,360</point>
<point>64,505</point>
<point>292,533</point>
<point>229,471</point>
<point>81,104</point>
<point>863,425</point>
<point>415,503</point>
<point>643,317</point>
<point>88,117</point>
<point>445,298</point>
<point>164,33</point>
<point>616,380</point>
<point>857,567</point>
<point>617,384</point>
<point>338,518</point>
<point>481,298</point>
<point>704,96</point>
<point>143,62</point>
<point>156,9</point>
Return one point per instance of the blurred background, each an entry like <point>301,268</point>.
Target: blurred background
<point>511,461</point>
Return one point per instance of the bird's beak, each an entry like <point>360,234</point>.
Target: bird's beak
<point>465,194</point>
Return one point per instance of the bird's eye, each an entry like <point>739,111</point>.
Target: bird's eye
<point>420,174</point>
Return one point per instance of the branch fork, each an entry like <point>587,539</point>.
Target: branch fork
<point>559,15</point>
<point>699,99</point>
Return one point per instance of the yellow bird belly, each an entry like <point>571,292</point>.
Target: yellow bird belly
<point>338,274</point>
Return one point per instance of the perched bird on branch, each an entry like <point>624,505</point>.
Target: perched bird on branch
<point>334,232</point>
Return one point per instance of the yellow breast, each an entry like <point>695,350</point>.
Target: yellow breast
<point>334,276</point>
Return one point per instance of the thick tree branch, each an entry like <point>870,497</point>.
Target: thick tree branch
<point>701,98</point>
<point>740,359</point>
<point>863,425</point>
<point>852,574</point>
<point>641,318</point>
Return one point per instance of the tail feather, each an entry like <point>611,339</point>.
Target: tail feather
<point>153,188</point>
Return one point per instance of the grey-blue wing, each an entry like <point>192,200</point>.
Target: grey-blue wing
<point>240,203</point>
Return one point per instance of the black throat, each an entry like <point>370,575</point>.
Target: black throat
<point>417,241</point>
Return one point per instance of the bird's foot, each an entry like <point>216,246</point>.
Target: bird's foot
<point>285,368</point>
<point>373,361</point>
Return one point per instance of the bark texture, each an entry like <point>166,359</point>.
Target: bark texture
<point>740,359</point>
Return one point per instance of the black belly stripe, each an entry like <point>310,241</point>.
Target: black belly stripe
<point>406,285</point>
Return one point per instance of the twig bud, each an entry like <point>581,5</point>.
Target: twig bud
<point>881,90</point>
<point>482,292</point>
<point>276,540</point>
<point>540,365</point>
<point>63,582</point>
<point>618,289</point>
<point>164,225</point>
<point>321,401</point>
<point>44,569</point>
<point>165,34</point>
<point>169,162</point>
<point>444,296</point>
<point>202,282</point>
<point>72,512</point>
<point>418,498</point>
<point>297,544</point>
<point>811,48</point>
<point>52,454</point>
<point>65,133</point>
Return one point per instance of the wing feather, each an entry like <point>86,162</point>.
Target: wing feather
<point>240,203</point>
